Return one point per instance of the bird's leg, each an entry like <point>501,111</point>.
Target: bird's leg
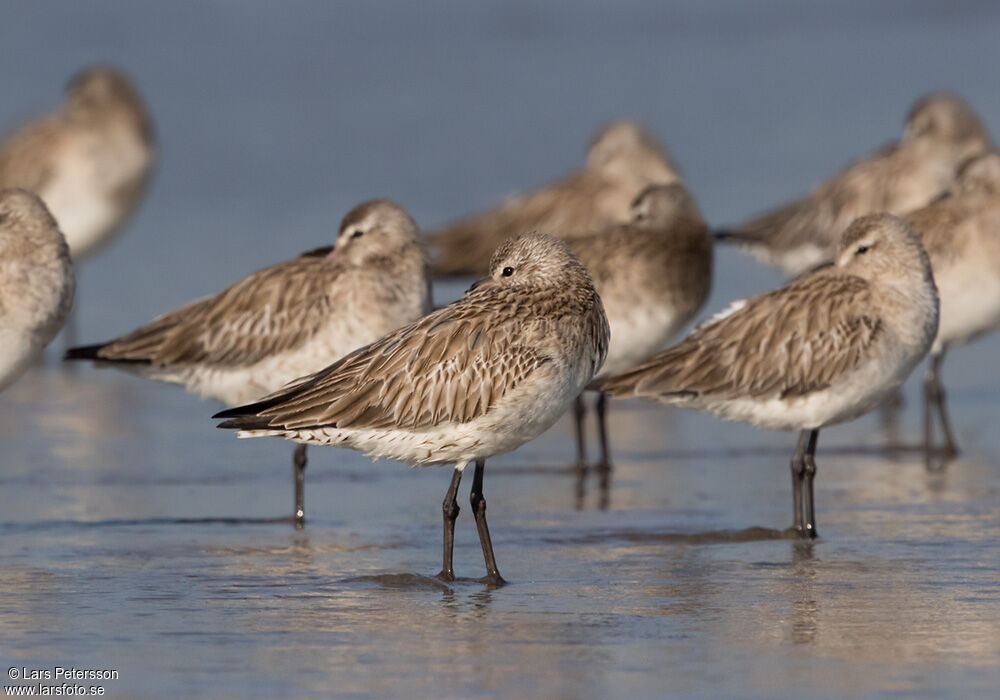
<point>602,406</point>
<point>808,494</point>
<point>450,509</point>
<point>890,411</point>
<point>580,414</point>
<point>68,336</point>
<point>950,447</point>
<point>798,465</point>
<point>478,502</point>
<point>299,471</point>
<point>934,399</point>
<point>928,421</point>
<point>604,468</point>
<point>70,328</point>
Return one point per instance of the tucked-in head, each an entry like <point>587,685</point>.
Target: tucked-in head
<point>378,228</point>
<point>536,260</point>
<point>623,150</point>
<point>981,172</point>
<point>946,117</point>
<point>659,205</point>
<point>26,225</point>
<point>102,92</point>
<point>101,87</point>
<point>882,247</point>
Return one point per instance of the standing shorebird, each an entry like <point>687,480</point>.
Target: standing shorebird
<point>821,350</point>
<point>36,281</point>
<point>961,232</point>
<point>622,161</point>
<point>653,275</point>
<point>90,162</point>
<point>942,131</point>
<point>477,378</point>
<point>287,320</point>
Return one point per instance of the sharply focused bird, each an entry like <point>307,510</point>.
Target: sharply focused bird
<point>36,281</point>
<point>823,349</point>
<point>477,378</point>
<point>623,160</point>
<point>961,232</point>
<point>287,320</point>
<point>942,131</point>
<point>653,275</point>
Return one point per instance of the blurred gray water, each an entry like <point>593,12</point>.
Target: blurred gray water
<point>276,118</point>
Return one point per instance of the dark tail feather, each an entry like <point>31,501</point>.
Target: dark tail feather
<point>84,352</point>
<point>91,352</point>
<point>245,423</point>
<point>248,417</point>
<point>245,411</point>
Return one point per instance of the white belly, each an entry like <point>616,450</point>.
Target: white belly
<point>638,333</point>
<point>854,395</point>
<point>82,192</point>
<point>970,302</point>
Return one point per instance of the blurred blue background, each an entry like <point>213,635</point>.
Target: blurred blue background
<point>274,119</point>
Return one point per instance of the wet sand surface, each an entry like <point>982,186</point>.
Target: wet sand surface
<point>135,536</point>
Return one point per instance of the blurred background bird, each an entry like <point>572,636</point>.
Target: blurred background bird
<point>623,159</point>
<point>941,132</point>
<point>653,275</point>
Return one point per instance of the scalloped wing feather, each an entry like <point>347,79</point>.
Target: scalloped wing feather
<point>450,366</point>
<point>789,342</point>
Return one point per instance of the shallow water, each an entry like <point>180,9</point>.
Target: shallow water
<point>134,536</point>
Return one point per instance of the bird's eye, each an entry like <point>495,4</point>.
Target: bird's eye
<point>507,271</point>
<point>862,249</point>
<point>357,233</point>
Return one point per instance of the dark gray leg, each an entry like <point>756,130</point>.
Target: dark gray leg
<point>299,468</point>
<point>928,423</point>
<point>889,414</point>
<point>478,502</point>
<point>808,496</point>
<point>798,465</point>
<point>70,327</point>
<point>450,509</point>
<point>580,413</point>
<point>602,408</point>
<point>934,399</point>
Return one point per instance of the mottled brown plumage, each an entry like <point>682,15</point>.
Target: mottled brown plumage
<point>372,281</point>
<point>623,160</point>
<point>478,378</point>
<point>942,131</point>
<point>287,320</point>
<point>456,364</point>
<point>823,349</point>
<point>878,304</point>
<point>788,342</point>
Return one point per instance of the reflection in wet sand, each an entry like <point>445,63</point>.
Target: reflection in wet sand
<point>79,413</point>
